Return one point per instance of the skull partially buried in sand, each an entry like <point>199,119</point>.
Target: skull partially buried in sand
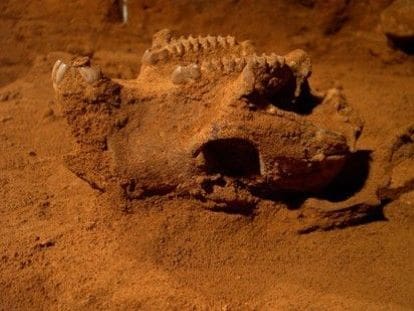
<point>206,119</point>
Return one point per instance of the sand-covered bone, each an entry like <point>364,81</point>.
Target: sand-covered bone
<point>208,119</point>
<point>183,74</point>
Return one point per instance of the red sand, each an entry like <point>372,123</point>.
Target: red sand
<point>66,246</point>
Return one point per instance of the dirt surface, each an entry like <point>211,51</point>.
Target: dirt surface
<point>65,245</point>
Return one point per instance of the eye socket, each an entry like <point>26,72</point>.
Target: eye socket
<point>231,157</point>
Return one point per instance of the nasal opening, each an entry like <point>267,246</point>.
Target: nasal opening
<point>231,157</point>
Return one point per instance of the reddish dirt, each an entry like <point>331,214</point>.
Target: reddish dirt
<point>67,246</point>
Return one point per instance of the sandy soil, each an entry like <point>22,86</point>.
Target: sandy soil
<point>66,246</point>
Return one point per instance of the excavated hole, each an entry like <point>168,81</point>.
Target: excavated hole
<point>231,157</point>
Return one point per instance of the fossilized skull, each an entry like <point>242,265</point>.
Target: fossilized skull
<point>206,118</point>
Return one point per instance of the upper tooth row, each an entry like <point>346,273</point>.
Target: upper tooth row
<point>89,74</point>
<point>236,64</point>
<point>181,46</point>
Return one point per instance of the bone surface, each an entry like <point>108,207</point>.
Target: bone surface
<point>208,118</point>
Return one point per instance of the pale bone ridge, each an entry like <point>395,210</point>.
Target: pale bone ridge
<point>218,56</point>
<point>165,47</point>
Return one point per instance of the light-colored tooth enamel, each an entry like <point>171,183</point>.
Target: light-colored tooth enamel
<point>148,58</point>
<point>163,54</point>
<point>280,60</point>
<point>222,41</point>
<point>261,60</point>
<point>194,44</point>
<point>178,76</point>
<point>217,65</point>
<point>186,44</point>
<point>184,74</point>
<point>240,64</point>
<point>180,49</point>
<point>231,40</point>
<point>60,72</point>
<point>212,41</point>
<point>55,67</point>
<point>272,60</point>
<point>248,77</point>
<point>194,71</point>
<point>203,42</point>
<point>89,74</point>
<point>228,65</point>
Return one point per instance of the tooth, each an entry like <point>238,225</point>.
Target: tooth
<point>183,74</point>
<point>163,54</point>
<point>222,41</point>
<point>180,49</point>
<point>231,40</point>
<point>193,71</point>
<point>212,41</point>
<point>217,65</point>
<point>186,45</point>
<point>178,76</point>
<point>248,78</point>
<point>261,60</point>
<point>194,43</point>
<point>60,72</point>
<point>148,58</point>
<point>203,42</point>
<point>240,64</point>
<point>89,74</point>
<point>228,64</point>
<point>272,60</point>
<point>280,60</point>
<point>55,67</point>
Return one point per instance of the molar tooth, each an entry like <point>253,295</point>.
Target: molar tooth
<point>261,60</point>
<point>90,74</point>
<point>148,58</point>
<point>194,71</point>
<point>240,64</point>
<point>217,65</point>
<point>212,41</point>
<point>272,60</point>
<point>178,75</point>
<point>186,45</point>
<point>222,41</point>
<point>280,60</point>
<point>194,44</point>
<point>180,49</point>
<point>231,40</point>
<point>163,54</point>
<point>203,42</point>
<point>228,64</point>
<point>184,74</point>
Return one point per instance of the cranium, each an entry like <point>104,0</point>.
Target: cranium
<point>206,118</point>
